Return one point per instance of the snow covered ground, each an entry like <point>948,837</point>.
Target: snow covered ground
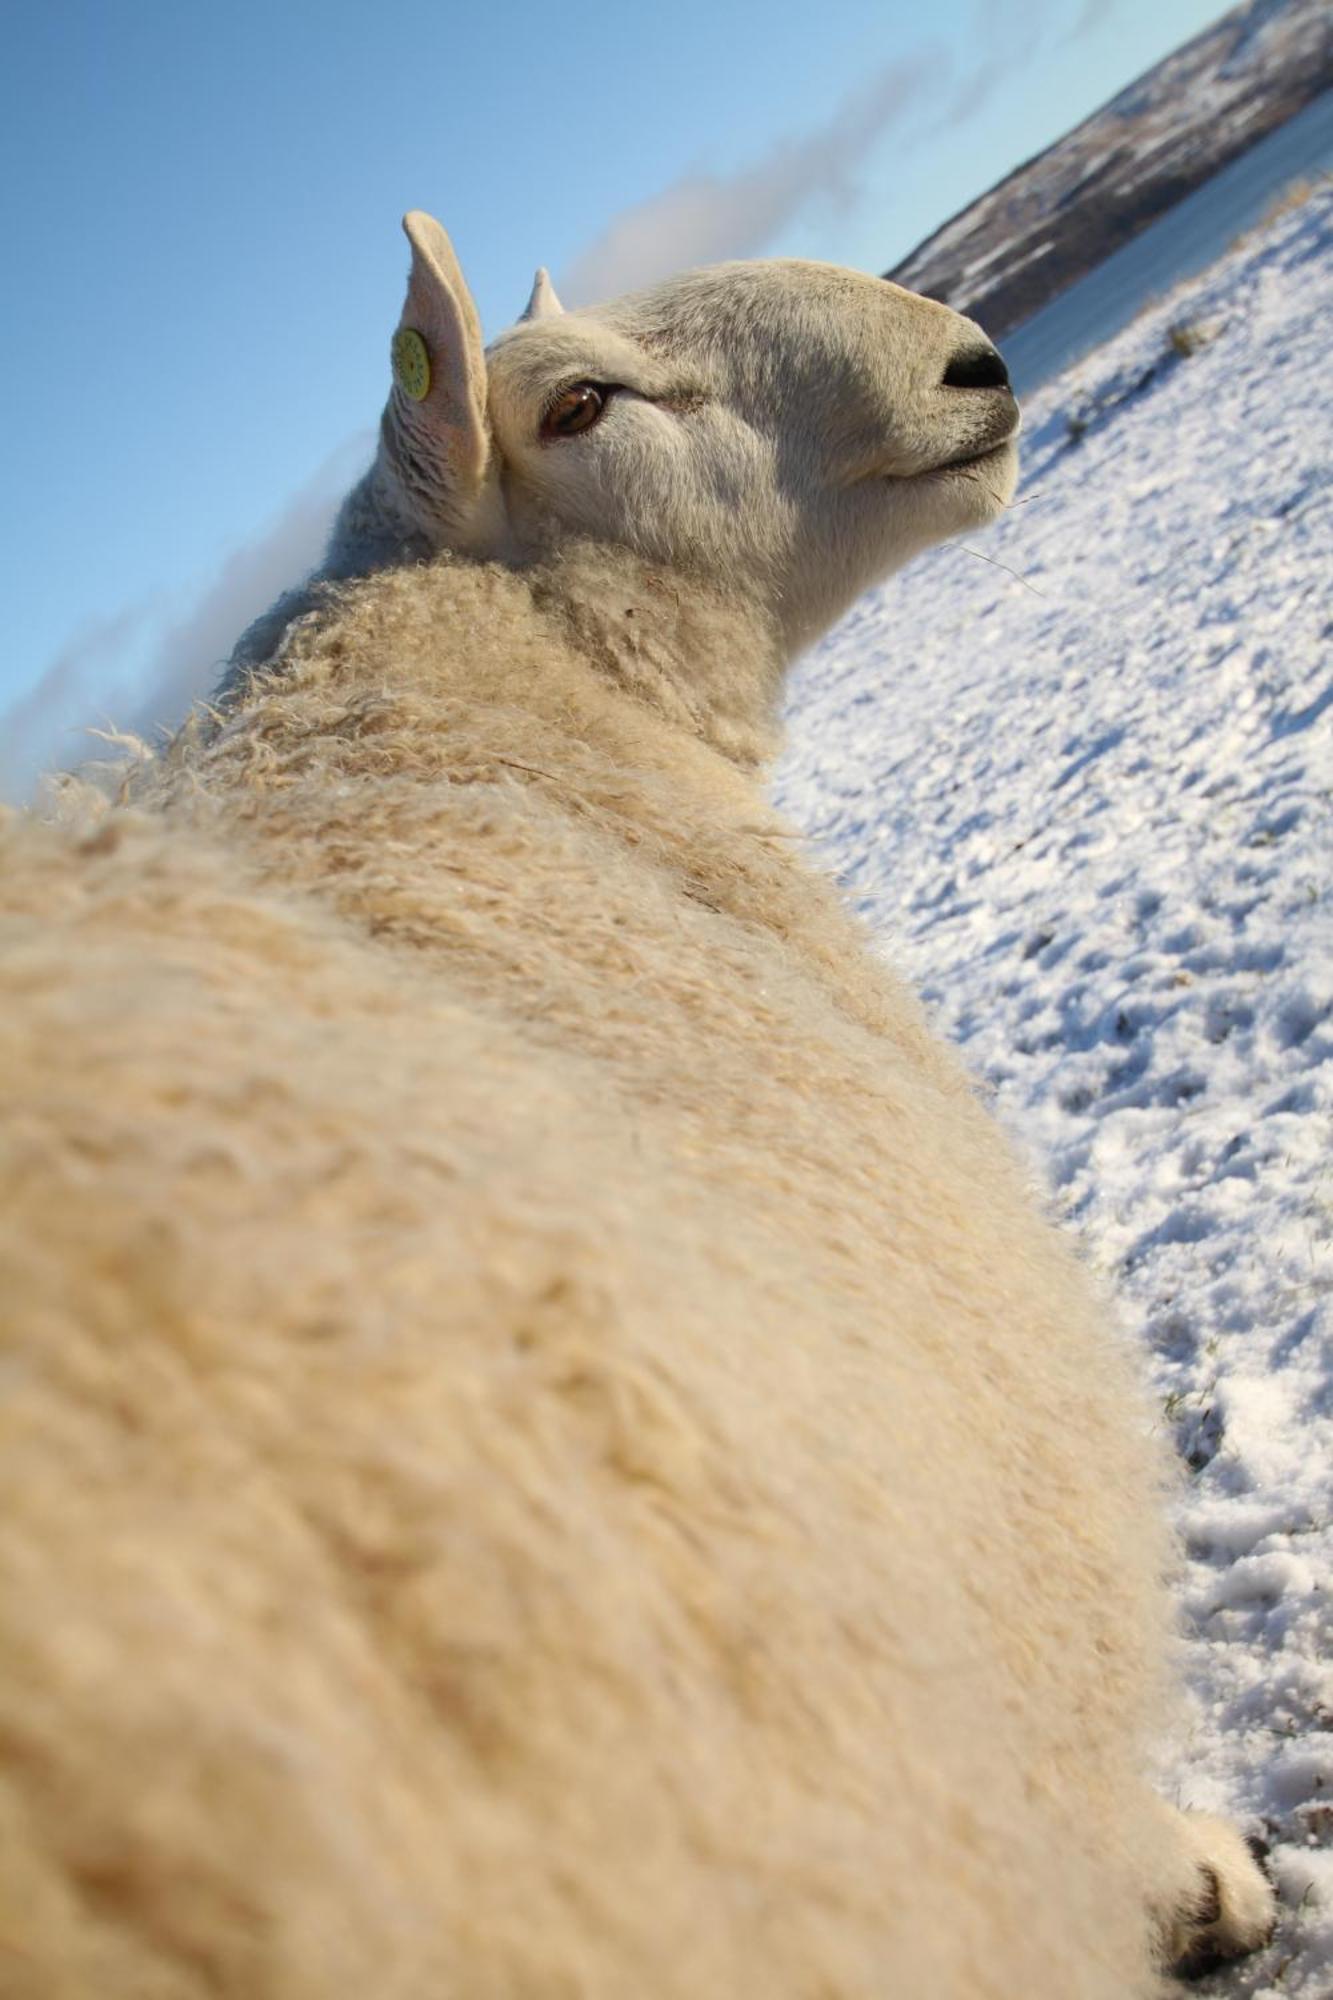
<point>1095,825</point>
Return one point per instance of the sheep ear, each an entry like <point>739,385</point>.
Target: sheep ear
<point>543,303</point>
<point>437,409</point>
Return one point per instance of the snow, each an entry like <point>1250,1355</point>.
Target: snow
<point>1093,825</point>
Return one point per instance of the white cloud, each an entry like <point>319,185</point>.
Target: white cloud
<point>79,691</point>
<point>1007,35</point>
<point>92,684</point>
<point>706,218</point>
<point>1090,16</point>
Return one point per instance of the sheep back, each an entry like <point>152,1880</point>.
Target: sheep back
<point>548,1449</point>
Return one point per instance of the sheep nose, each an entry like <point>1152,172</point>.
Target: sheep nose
<point>976,368</point>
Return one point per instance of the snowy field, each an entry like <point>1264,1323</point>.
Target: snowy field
<point>1093,825</point>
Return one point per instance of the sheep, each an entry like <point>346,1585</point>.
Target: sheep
<point>548,1448</point>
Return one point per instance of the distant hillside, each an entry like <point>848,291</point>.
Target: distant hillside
<point>1057,216</point>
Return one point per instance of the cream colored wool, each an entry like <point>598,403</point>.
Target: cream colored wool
<point>546,1448</point>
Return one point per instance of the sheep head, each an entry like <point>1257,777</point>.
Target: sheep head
<point>790,431</point>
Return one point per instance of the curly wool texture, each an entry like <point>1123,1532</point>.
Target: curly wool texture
<point>546,1450</point>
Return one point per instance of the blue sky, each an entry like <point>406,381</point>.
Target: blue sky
<point>204,263</point>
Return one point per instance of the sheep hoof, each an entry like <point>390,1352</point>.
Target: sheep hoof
<point>1228,1909</point>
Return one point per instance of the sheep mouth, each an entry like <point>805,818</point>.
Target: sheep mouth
<point>971,461</point>
<point>974,460</point>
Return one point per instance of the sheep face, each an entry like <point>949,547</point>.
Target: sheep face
<point>790,430</point>
<point>782,425</point>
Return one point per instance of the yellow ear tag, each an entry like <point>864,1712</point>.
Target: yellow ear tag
<point>411,364</point>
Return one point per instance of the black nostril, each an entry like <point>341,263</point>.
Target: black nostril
<point>977,368</point>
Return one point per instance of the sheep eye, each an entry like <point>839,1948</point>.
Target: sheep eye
<point>575,410</point>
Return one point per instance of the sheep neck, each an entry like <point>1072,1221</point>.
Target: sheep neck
<point>709,660</point>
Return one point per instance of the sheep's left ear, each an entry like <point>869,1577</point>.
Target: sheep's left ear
<point>435,432</point>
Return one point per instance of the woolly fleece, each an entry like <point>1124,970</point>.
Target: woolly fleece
<point>505,1303</point>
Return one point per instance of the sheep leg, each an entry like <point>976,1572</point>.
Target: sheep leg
<point>1216,1901</point>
